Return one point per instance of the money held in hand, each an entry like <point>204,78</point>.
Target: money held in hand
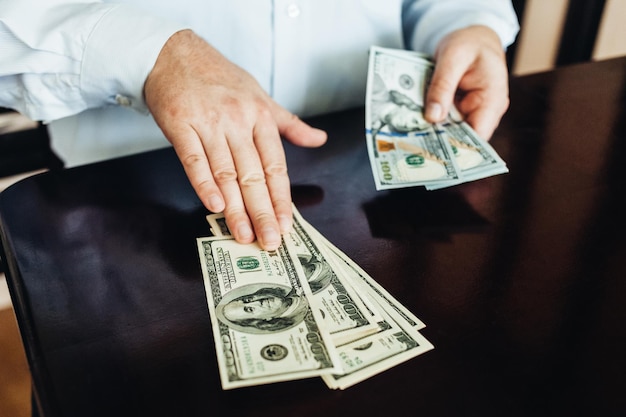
<point>404,149</point>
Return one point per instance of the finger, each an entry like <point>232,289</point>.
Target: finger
<point>224,173</point>
<point>274,164</point>
<point>295,130</point>
<point>253,186</point>
<point>443,86</point>
<point>483,122</point>
<point>191,153</point>
<point>483,111</point>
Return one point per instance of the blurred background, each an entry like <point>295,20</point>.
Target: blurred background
<point>563,32</point>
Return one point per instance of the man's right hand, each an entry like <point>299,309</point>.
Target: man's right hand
<point>227,133</point>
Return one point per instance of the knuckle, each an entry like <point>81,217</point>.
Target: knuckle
<point>290,124</point>
<point>293,118</point>
<point>212,117</point>
<point>224,175</point>
<point>192,160</point>
<point>235,213</point>
<point>263,109</point>
<point>442,85</point>
<point>276,170</point>
<point>252,179</point>
<point>282,204</point>
<point>205,184</point>
<point>262,218</point>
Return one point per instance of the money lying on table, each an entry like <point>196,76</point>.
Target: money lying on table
<point>264,325</point>
<point>404,149</point>
<point>360,327</point>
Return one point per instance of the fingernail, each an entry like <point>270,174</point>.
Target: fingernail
<point>245,233</point>
<point>321,134</point>
<point>434,112</point>
<point>284,223</point>
<point>216,204</point>
<point>270,238</point>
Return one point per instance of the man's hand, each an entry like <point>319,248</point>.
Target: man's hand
<point>226,132</point>
<point>470,71</point>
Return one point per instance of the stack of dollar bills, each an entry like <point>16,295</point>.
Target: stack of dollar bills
<point>404,149</point>
<point>303,310</point>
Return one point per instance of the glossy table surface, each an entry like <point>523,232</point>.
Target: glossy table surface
<point>520,278</point>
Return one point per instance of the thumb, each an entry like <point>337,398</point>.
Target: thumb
<point>443,86</point>
<point>295,130</point>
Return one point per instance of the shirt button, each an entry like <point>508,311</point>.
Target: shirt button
<point>293,10</point>
<point>122,100</point>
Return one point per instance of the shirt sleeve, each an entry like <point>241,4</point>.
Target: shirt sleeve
<point>426,22</point>
<point>61,57</point>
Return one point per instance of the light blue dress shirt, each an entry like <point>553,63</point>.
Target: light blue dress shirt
<point>80,65</point>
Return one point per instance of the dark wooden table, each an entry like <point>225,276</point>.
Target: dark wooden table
<point>520,278</point>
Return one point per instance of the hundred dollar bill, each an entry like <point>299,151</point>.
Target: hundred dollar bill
<point>395,343</point>
<point>346,316</point>
<point>397,339</point>
<point>404,149</point>
<point>364,283</point>
<point>264,326</point>
<point>217,223</point>
<point>475,156</point>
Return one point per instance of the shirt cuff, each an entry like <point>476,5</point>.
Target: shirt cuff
<point>427,37</point>
<point>119,55</point>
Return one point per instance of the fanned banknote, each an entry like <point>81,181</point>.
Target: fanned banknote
<point>404,149</point>
<point>370,330</point>
<point>345,314</point>
<point>474,156</point>
<point>264,325</point>
<point>395,343</point>
<point>364,283</point>
<point>398,338</point>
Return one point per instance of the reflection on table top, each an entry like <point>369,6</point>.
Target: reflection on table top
<point>519,277</point>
